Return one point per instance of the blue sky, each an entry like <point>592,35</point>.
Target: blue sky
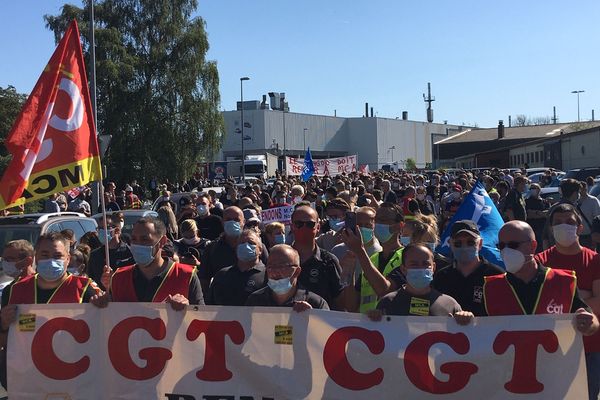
<point>485,60</point>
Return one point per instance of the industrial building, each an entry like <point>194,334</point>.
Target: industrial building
<point>271,127</point>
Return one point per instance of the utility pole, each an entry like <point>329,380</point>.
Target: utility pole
<point>429,100</point>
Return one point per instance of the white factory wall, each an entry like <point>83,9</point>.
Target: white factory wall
<point>362,140</point>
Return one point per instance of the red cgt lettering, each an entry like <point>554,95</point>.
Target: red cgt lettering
<point>526,343</point>
<point>155,357</point>
<point>336,363</point>
<point>43,355</point>
<point>416,363</point>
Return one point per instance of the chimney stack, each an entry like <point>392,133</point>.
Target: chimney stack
<point>366,110</point>
<point>500,129</point>
<point>404,115</point>
<point>371,112</point>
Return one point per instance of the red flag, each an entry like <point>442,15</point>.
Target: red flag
<point>53,141</point>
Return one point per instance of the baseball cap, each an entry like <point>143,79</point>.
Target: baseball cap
<point>467,226</point>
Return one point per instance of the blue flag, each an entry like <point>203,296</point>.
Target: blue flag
<point>479,208</point>
<point>309,169</point>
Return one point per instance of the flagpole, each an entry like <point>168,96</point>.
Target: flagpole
<point>99,185</point>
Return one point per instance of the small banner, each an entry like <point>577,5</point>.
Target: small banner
<point>326,166</point>
<point>278,214</point>
<point>149,351</point>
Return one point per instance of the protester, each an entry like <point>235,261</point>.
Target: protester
<point>283,287</point>
<point>209,225</point>
<point>17,263</point>
<point>537,212</point>
<point>336,213</point>
<point>588,207</point>
<point>167,216</point>
<point>274,234</point>
<point>514,206</point>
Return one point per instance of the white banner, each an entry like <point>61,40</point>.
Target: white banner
<point>326,166</point>
<point>278,214</point>
<point>148,351</point>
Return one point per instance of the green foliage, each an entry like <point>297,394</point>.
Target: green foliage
<point>157,95</point>
<point>411,164</point>
<point>10,107</point>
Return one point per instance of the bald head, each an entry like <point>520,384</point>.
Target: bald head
<point>517,230</point>
<point>233,213</point>
<point>282,254</point>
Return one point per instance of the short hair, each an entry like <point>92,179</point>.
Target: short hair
<point>568,187</point>
<point>68,234</point>
<point>80,256</point>
<point>502,185</point>
<point>297,188</point>
<point>395,208</point>
<point>159,226</point>
<point>411,247</point>
<point>565,208</point>
<point>302,205</point>
<point>189,225</point>
<point>53,237</point>
<point>337,204</point>
<point>205,195</point>
<point>520,179</point>
<point>24,247</point>
<point>273,226</point>
<point>366,209</point>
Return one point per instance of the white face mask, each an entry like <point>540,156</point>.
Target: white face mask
<point>9,268</point>
<point>513,260</point>
<point>565,234</point>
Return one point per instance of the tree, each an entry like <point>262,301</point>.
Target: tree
<point>10,107</point>
<point>524,120</point>
<point>411,164</point>
<point>157,95</point>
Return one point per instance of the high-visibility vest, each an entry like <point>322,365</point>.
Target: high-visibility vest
<point>555,295</point>
<point>133,202</point>
<point>71,290</point>
<point>176,281</point>
<point>368,297</point>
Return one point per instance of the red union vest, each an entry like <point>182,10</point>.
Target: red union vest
<point>70,291</point>
<point>555,295</point>
<point>176,280</point>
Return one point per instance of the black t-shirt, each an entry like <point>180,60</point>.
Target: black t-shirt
<point>210,226</point>
<point>264,298</point>
<point>218,255</point>
<point>466,290</point>
<point>402,302</point>
<point>146,289</point>
<point>231,286</point>
<point>514,201</point>
<point>182,248</point>
<point>43,295</point>
<point>118,258</point>
<point>536,204</point>
<point>528,292</point>
<point>321,275</point>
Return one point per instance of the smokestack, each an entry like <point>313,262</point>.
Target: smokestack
<point>371,112</point>
<point>554,115</point>
<point>500,129</point>
<point>405,115</point>
<point>593,115</point>
<point>366,110</point>
<point>509,121</point>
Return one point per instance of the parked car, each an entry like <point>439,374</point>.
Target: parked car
<point>131,216</point>
<point>535,178</point>
<point>581,174</point>
<point>532,171</point>
<point>31,226</point>
<point>551,194</point>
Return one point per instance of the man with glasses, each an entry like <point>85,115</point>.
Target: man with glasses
<point>531,288</point>
<point>321,271</point>
<point>463,279</point>
<point>568,253</point>
<point>283,290</point>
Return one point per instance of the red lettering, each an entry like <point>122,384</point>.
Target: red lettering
<point>336,363</point>
<point>43,355</point>
<point>526,343</point>
<point>416,363</point>
<point>215,368</point>
<point>155,357</point>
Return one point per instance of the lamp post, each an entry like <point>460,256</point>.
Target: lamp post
<point>305,129</point>
<point>577,92</point>
<point>245,78</point>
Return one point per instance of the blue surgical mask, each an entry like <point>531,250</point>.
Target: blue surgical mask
<point>382,232</point>
<point>50,269</point>
<point>419,278</point>
<point>336,224</point>
<point>246,251</point>
<point>367,234</point>
<point>10,268</point>
<point>431,245</point>
<point>405,240</point>
<point>280,238</point>
<point>142,254</point>
<point>232,228</point>
<point>465,254</point>
<point>202,209</point>
<point>280,286</point>
<point>102,235</point>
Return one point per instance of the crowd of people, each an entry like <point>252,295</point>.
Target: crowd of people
<point>355,243</point>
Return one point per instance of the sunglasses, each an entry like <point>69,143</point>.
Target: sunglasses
<point>512,244</point>
<point>308,224</point>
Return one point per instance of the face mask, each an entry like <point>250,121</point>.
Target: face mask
<point>336,224</point>
<point>565,234</point>
<point>232,228</point>
<point>51,269</point>
<point>10,268</point>
<point>420,197</point>
<point>465,254</point>
<point>102,235</point>
<point>142,254</point>
<point>513,259</point>
<point>419,278</point>
<point>191,241</point>
<point>431,246</point>
<point>246,252</point>
<point>405,240</point>
<point>297,199</point>
<point>121,225</point>
<point>367,234</point>
<point>382,232</point>
<point>202,209</point>
<point>534,193</point>
<point>280,238</point>
<point>280,286</point>
<point>73,271</point>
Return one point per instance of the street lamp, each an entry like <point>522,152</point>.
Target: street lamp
<point>245,78</point>
<point>577,92</point>
<point>305,129</point>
